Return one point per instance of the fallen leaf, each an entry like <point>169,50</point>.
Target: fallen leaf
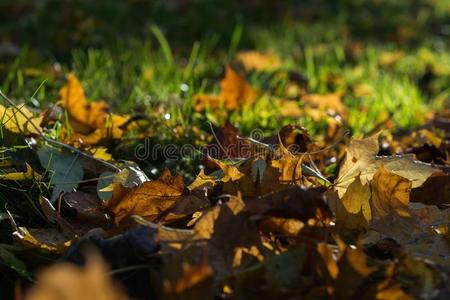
<point>46,239</point>
<point>435,190</point>
<point>227,144</point>
<point>286,227</point>
<point>362,160</point>
<point>202,181</point>
<point>361,154</point>
<point>20,120</point>
<point>343,269</point>
<point>86,212</point>
<point>91,121</point>
<point>18,176</point>
<point>64,169</point>
<point>154,200</point>
<point>253,60</point>
<point>277,277</point>
<point>235,92</point>
<point>187,275</point>
<point>329,102</point>
<point>390,195</point>
<point>352,211</point>
<point>70,282</point>
<point>228,253</point>
<point>283,170</point>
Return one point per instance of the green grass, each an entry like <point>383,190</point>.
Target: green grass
<point>141,75</point>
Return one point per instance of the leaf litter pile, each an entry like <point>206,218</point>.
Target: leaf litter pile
<point>289,216</point>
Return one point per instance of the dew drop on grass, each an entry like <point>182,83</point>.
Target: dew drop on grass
<point>184,87</point>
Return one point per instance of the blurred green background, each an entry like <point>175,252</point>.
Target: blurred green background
<point>137,54</point>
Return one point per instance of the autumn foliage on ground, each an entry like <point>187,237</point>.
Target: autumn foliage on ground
<point>263,219</point>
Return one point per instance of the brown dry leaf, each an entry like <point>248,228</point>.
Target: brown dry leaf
<point>230,171</point>
<point>84,116</point>
<point>424,234</point>
<point>91,121</point>
<point>390,195</point>
<point>253,60</point>
<point>344,270</point>
<point>385,197</point>
<point>288,227</point>
<point>259,176</point>
<point>328,102</point>
<point>374,190</point>
<point>360,155</point>
<point>165,199</point>
<point>195,283</point>
<point>352,211</point>
<point>46,239</point>
<point>234,93</point>
<point>362,161</point>
<point>288,165</point>
<point>87,213</point>
<point>186,274</point>
<point>435,190</point>
<point>70,282</point>
<point>204,227</point>
<point>292,202</point>
<point>234,242</point>
<point>202,181</point>
<point>228,144</point>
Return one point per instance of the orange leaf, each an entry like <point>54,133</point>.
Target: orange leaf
<point>234,92</point>
<point>70,282</point>
<point>91,121</point>
<point>253,60</point>
<point>329,102</point>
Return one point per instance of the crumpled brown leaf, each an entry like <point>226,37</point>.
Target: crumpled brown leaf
<point>164,200</point>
